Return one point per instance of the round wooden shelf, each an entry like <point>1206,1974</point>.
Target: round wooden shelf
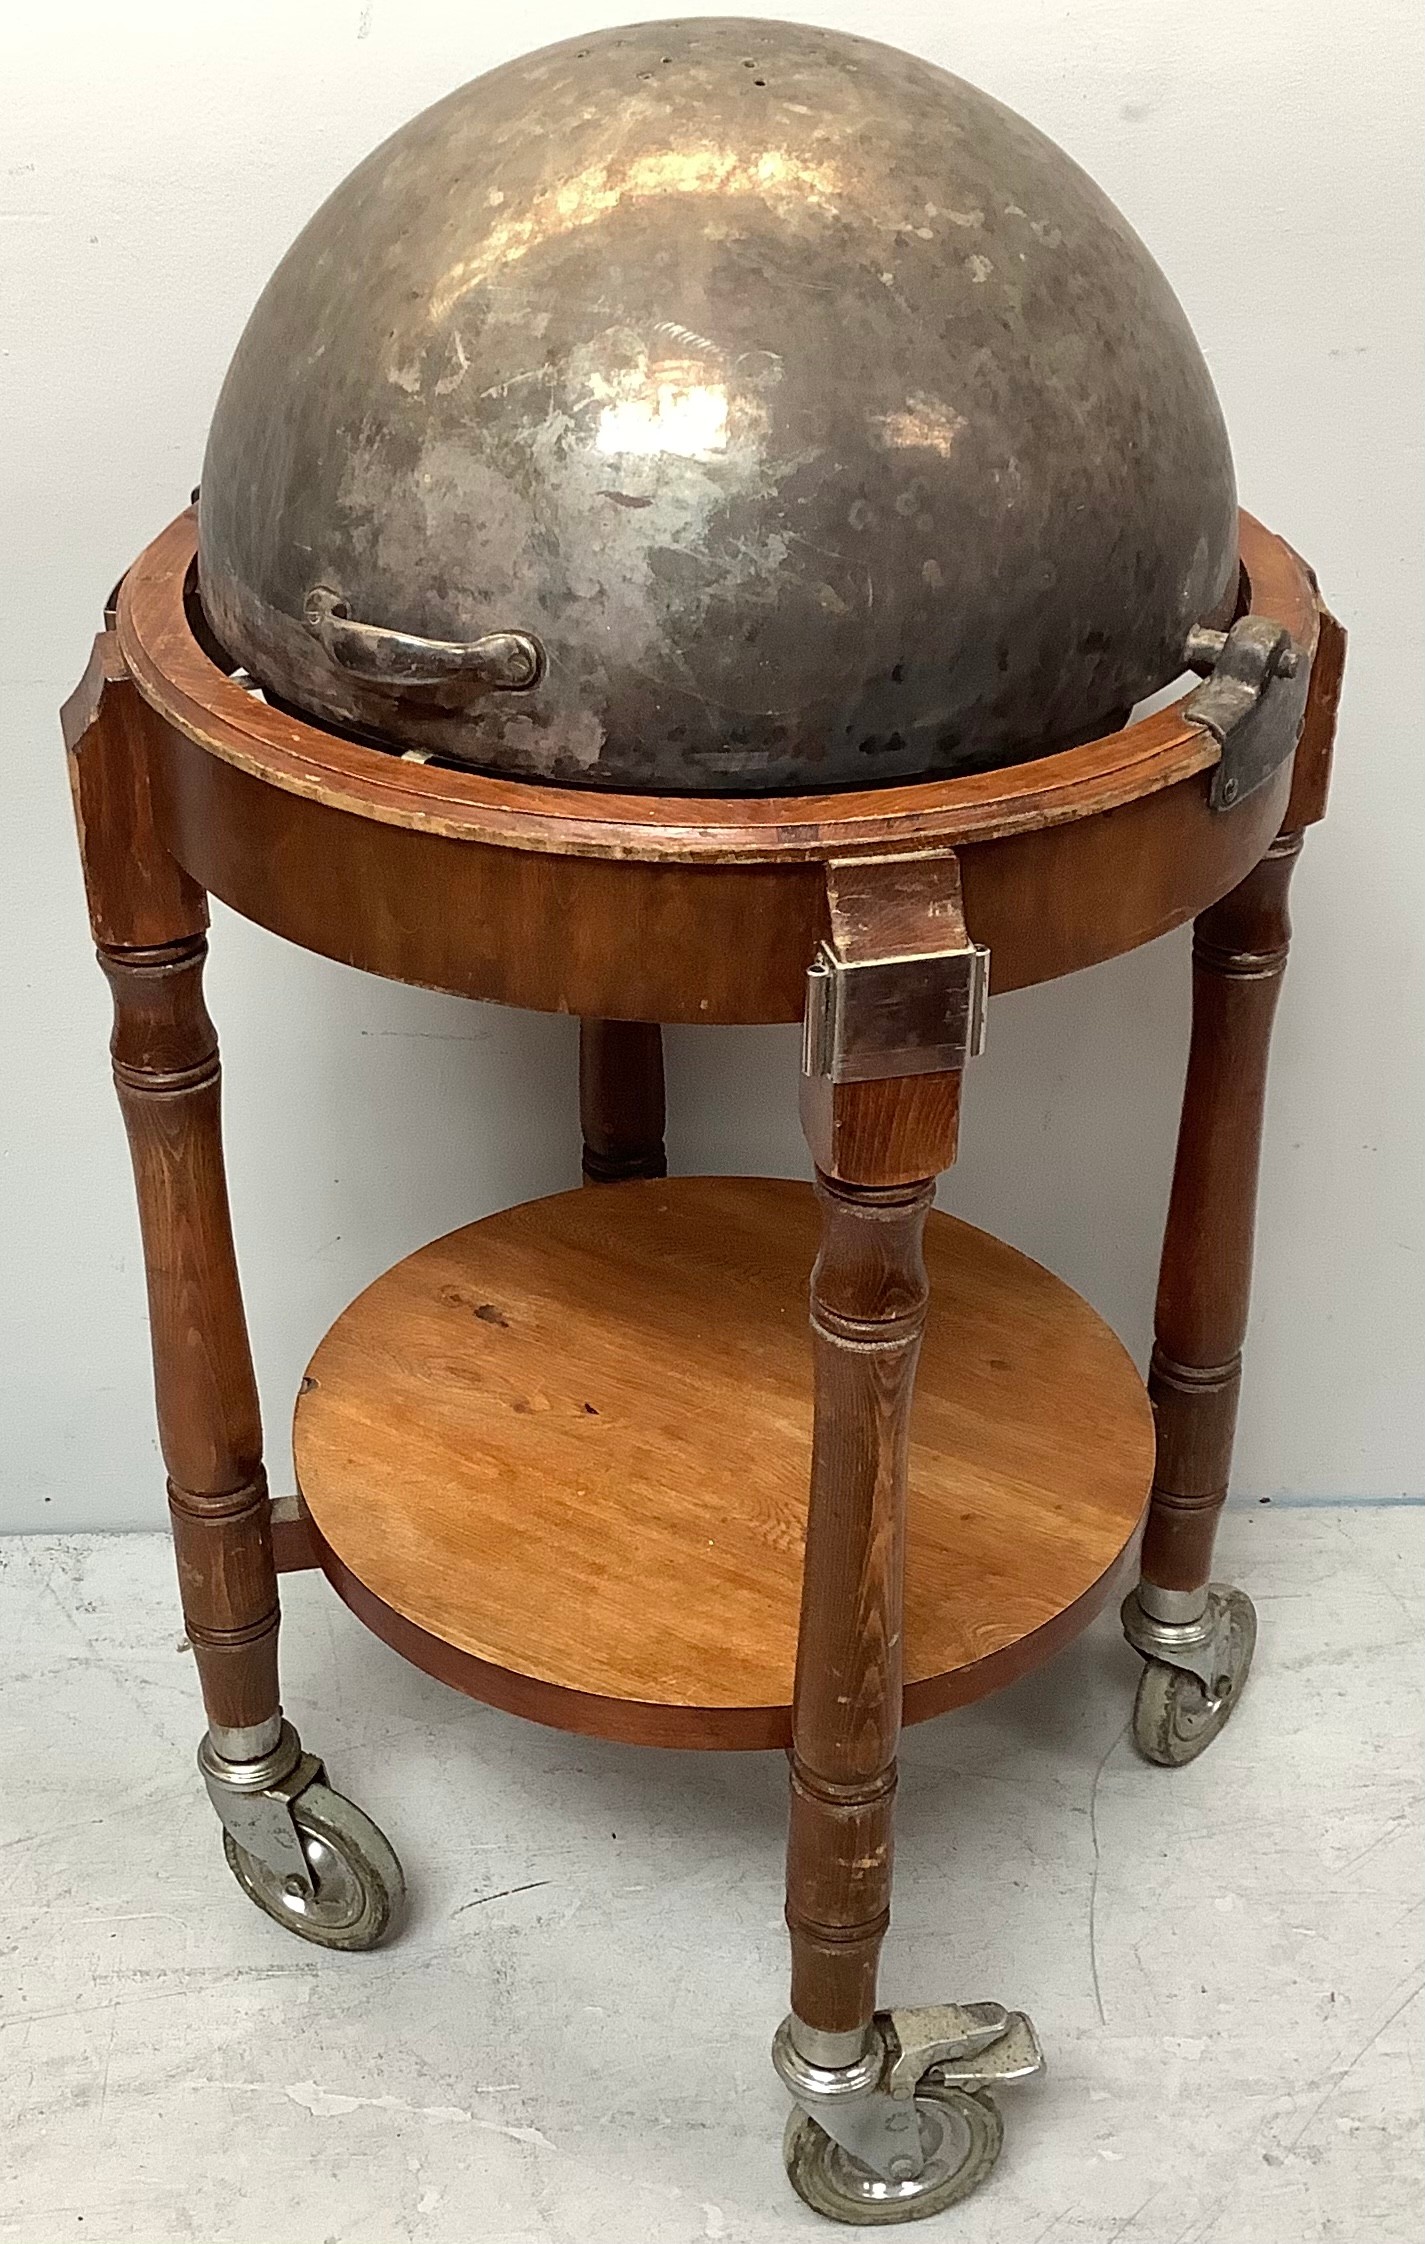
<point>559,1459</point>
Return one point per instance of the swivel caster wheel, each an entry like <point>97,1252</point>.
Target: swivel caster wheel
<point>305,1854</point>
<point>961,2135</point>
<point>354,1886</point>
<point>907,2126</point>
<point>1177,1714</point>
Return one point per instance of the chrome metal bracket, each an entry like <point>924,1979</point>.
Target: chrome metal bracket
<point>1200,1647</point>
<point>1253,702</point>
<point>868,2106</point>
<point>898,988</point>
<point>253,1800</point>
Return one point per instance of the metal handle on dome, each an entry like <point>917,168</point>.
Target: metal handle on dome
<point>499,661</point>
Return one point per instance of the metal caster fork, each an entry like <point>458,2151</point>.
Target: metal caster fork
<point>305,1854</point>
<point>1196,1665</point>
<point>908,2127</point>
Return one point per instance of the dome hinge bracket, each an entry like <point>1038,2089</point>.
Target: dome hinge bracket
<point>1252,700</point>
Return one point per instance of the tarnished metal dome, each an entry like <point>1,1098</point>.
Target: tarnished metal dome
<point>717,406</point>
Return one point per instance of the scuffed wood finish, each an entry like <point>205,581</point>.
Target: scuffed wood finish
<point>869,1296</point>
<point>622,1107</point>
<point>1204,1288</point>
<point>906,906</point>
<point>879,1146</point>
<point>1311,768</point>
<point>607,1395</point>
<point>664,941</point>
<point>166,1071</point>
<point>880,1132</point>
<point>891,1130</point>
<point>138,894</point>
<point>148,918</point>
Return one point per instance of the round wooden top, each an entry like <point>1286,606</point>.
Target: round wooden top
<point>182,681</point>
<point>560,1460</point>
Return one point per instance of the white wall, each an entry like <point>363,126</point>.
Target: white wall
<point>155,159</point>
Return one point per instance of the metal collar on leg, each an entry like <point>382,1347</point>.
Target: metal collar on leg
<point>1173,1606</point>
<point>250,1743</point>
<point>1200,1646</point>
<point>832,2052</point>
<point>256,1774</point>
<point>254,1800</point>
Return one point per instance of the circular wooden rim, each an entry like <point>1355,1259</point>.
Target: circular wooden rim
<point>181,681</point>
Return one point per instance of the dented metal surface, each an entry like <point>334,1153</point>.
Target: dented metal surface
<point>818,419</point>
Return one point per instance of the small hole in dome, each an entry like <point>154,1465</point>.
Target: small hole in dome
<point>759,81</point>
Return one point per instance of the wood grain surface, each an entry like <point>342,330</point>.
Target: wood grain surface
<point>628,940</point>
<point>166,1073</point>
<point>138,895</point>
<point>148,919</point>
<point>1205,1278</point>
<point>870,1293</point>
<point>1311,765</point>
<point>560,1459</point>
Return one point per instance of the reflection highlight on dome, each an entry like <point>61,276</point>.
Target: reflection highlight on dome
<point>922,424</point>
<point>670,415</point>
<point>780,178</point>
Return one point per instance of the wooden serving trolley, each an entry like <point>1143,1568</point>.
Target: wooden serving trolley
<point>578,1459</point>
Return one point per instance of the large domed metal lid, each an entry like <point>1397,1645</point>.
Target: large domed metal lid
<point>717,406</point>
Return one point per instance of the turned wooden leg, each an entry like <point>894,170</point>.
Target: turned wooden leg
<point>148,920</point>
<point>873,2114</point>
<point>869,1295</point>
<point>621,1100</point>
<point>302,1852</point>
<point>165,1056</point>
<point>1204,1287</point>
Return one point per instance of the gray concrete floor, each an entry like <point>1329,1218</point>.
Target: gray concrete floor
<point>569,2040</point>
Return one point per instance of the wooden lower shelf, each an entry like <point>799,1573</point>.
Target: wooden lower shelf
<point>559,1459</point>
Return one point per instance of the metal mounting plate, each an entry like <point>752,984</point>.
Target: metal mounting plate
<point>869,1018</point>
<point>1253,702</point>
<point>898,987</point>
